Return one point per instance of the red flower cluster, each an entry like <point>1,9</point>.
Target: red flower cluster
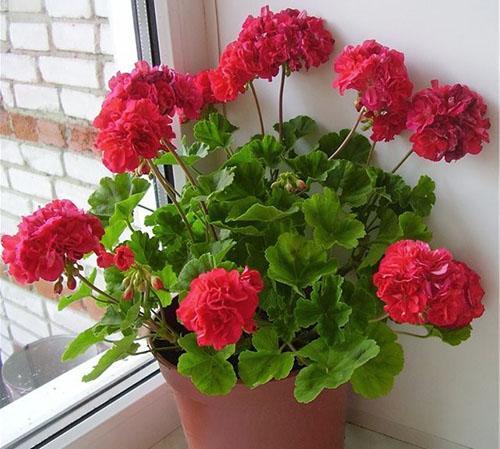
<point>136,113</point>
<point>265,43</point>
<point>380,76</point>
<point>52,236</point>
<point>448,121</point>
<point>419,285</point>
<point>123,258</point>
<point>220,305</point>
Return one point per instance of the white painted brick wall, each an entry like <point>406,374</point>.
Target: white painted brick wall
<point>31,96</point>
<point>18,67</point>
<point>34,323</point>
<point>3,27</point>
<point>106,40</point>
<point>47,160</point>
<point>67,8</point>
<point>108,72</point>
<point>21,297</point>
<point>21,336</point>
<point>8,225</point>
<point>80,104</point>
<point>101,8</point>
<point>6,347</point>
<point>29,36</point>
<point>10,151</point>
<point>6,92</point>
<point>4,178</point>
<point>15,204</point>
<point>75,192</point>
<point>30,183</point>
<point>75,72</point>
<point>74,36</point>
<point>25,5</point>
<point>84,168</point>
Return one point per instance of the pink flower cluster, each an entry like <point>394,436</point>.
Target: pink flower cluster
<point>419,285</point>
<point>220,305</point>
<point>381,79</point>
<point>54,235</point>
<point>136,114</point>
<point>448,121</point>
<point>123,258</point>
<point>265,43</point>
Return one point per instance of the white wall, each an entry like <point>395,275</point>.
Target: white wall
<point>451,393</point>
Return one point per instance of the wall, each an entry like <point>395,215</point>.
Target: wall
<point>56,58</point>
<point>444,392</point>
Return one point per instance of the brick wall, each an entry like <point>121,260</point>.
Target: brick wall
<point>56,58</point>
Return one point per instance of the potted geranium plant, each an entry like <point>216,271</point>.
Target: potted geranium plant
<point>267,285</point>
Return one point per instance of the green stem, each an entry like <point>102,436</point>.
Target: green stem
<point>370,154</point>
<point>349,136</point>
<point>379,318</point>
<point>411,334</point>
<point>402,161</point>
<point>257,104</point>
<point>169,191</point>
<point>282,90</point>
<point>97,289</point>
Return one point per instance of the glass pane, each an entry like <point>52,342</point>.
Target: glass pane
<point>56,60</point>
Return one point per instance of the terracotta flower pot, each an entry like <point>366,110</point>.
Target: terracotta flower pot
<point>267,417</point>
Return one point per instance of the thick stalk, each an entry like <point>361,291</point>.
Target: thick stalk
<point>173,151</point>
<point>170,193</point>
<point>257,105</point>
<point>282,90</point>
<point>402,161</point>
<point>349,136</point>
<point>370,154</point>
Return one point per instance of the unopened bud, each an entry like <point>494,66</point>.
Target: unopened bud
<point>157,283</point>
<point>58,287</point>
<point>71,283</point>
<point>128,294</point>
<point>289,187</point>
<point>301,185</point>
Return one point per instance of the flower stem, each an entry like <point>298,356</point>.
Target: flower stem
<point>97,289</point>
<point>282,90</point>
<point>402,161</point>
<point>349,136</point>
<point>370,154</point>
<point>379,318</point>
<point>411,334</point>
<point>257,104</point>
<point>173,151</point>
<point>169,190</point>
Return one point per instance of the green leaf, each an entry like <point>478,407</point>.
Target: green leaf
<point>258,367</point>
<point>192,270</point>
<point>216,182</point>
<point>352,182</point>
<point>422,196</point>
<point>215,131</point>
<point>296,128</point>
<point>131,316</point>
<point>119,351</point>
<point>83,291</point>
<point>332,226</point>
<point>413,227</point>
<point>208,369</point>
<point>190,154</point>
<point>311,166</point>
<point>146,250</point>
<point>167,226</point>
<point>248,180</point>
<point>325,308</point>
<point>331,366</point>
<point>279,307</point>
<point>297,262</point>
<point>376,378</point>
<point>167,276</point>
<point>262,213</point>
<point>451,336</point>
<point>267,148</point>
<point>84,341</point>
<point>356,150</point>
<point>112,191</point>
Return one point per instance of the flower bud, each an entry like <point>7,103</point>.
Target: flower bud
<point>71,283</point>
<point>128,294</point>
<point>58,287</point>
<point>289,188</point>
<point>301,185</point>
<point>156,283</point>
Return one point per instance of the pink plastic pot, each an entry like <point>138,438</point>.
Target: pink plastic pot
<point>267,417</point>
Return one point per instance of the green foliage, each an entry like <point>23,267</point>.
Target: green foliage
<point>312,166</point>
<point>268,149</point>
<point>352,182</point>
<point>451,336</point>
<point>208,369</point>
<point>356,150</point>
<point>84,341</point>
<point>267,362</point>
<point>332,226</point>
<point>422,196</point>
<point>376,377</point>
<point>298,262</point>
<point>190,154</point>
<point>331,365</point>
<point>146,250</point>
<point>215,131</point>
<point>296,128</point>
<point>83,291</point>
